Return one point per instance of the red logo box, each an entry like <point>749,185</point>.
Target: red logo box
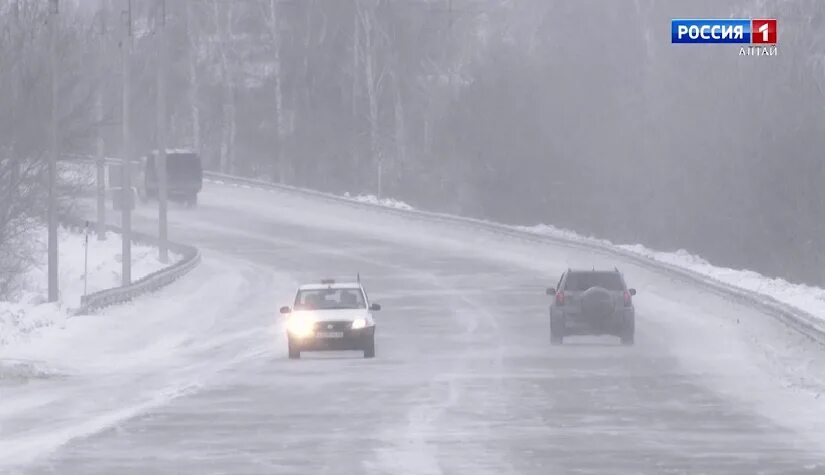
<point>763,31</point>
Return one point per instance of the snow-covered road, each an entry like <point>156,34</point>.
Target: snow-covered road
<point>195,378</point>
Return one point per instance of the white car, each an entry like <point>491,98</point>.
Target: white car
<point>331,316</point>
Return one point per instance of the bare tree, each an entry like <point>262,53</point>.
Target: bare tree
<point>193,55</point>
<point>366,14</point>
<point>229,123</point>
<point>21,204</point>
<point>281,158</point>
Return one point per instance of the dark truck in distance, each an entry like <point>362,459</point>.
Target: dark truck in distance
<point>184,176</point>
<point>592,302</point>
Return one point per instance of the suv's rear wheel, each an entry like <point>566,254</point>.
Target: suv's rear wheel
<point>628,334</point>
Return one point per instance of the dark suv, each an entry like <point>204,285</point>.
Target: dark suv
<point>592,302</point>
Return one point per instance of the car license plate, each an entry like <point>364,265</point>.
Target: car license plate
<point>329,335</point>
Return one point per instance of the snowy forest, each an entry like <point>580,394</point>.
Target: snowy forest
<point>578,114</point>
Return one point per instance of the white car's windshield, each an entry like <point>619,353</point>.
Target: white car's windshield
<point>328,299</point>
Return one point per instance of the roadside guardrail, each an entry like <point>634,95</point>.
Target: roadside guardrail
<point>95,301</point>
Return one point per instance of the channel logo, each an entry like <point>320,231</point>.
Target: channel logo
<point>761,31</point>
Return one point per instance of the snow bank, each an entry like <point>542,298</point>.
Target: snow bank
<point>804,297</point>
<point>97,371</point>
<point>30,311</point>
<point>372,199</point>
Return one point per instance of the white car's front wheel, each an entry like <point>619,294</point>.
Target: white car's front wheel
<point>369,350</point>
<point>294,353</point>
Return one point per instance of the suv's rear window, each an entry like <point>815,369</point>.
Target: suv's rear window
<point>580,281</point>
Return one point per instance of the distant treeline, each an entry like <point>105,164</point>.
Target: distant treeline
<point>576,113</point>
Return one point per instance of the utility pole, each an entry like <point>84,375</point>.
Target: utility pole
<point>101,150</point>
<point>53,249</point>
<point>450,42</point>
<point>160,163</point>
<point>126,202</point>
<point>355,32</point>
<point>356,156</point>
<point>14,37</point>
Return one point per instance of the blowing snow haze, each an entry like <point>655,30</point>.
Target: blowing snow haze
<point>558,236</point>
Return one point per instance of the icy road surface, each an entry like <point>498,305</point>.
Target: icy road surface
<point>464,381</point>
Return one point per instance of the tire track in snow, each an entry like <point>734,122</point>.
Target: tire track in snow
<point>415,449</point>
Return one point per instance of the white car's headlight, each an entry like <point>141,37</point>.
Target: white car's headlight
<point>359,323</point>
<point>300,326</point>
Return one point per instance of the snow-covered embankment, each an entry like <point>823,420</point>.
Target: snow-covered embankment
<point>29,310</point>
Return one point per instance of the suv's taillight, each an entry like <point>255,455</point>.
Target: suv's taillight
<point>627,299</point>
<point>559,298</point>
